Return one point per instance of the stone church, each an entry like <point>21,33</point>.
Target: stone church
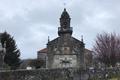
<point>62,52</point>
<point>65,51</point>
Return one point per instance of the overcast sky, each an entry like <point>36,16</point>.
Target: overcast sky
<point>32,21</point>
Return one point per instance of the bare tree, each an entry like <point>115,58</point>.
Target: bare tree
<point>107,48</point>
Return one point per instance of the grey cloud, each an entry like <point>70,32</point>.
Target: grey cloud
<point>31,22</point>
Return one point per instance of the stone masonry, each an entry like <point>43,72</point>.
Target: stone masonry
<point>65,51</point>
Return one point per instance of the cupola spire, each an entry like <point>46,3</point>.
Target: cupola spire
<point>65,19</point>
<point>65,23</point>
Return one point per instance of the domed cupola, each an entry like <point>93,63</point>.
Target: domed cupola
<point>65,24</point>
<point>65,15</point>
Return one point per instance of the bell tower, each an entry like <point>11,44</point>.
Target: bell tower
<point>65,24</point>
<point>65,51</point>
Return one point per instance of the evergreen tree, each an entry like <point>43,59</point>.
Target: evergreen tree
<point>12,55</point>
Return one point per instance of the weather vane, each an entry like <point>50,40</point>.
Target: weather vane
<point>64,4</point>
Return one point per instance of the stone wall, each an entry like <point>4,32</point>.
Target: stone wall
<point>104,74</point>
<point>40,74</point>
<point>56,74</point>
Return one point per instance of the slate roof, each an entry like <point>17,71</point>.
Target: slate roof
<point>44,50</point>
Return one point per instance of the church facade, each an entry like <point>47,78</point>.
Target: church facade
<point>64,51</point>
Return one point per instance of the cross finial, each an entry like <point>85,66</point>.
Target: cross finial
<point>48,39</point>
<point>82,38</point>
<point>64,4</point>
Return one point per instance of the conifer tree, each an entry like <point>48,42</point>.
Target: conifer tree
<point>12,55</point>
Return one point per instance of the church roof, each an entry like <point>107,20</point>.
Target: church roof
<point>44,50</point>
